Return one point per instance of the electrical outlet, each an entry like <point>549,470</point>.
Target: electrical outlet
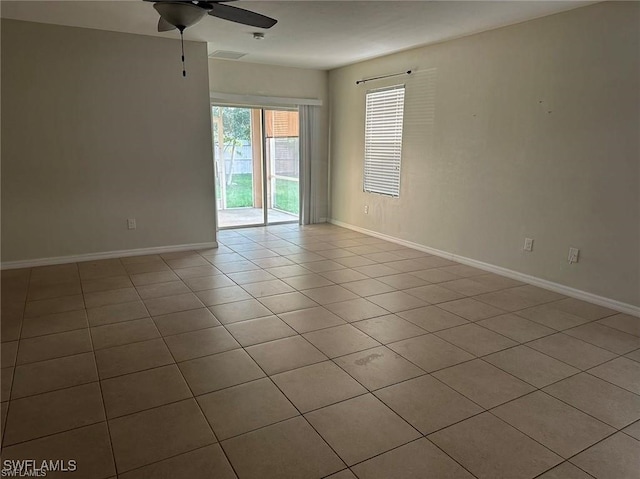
<point>366,209</point>
<point>131,223</point>
<point>573,255</point>
<point>528,244</point>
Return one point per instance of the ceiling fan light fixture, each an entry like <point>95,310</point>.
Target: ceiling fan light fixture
<point>258,36</point>
<point>180,14</point>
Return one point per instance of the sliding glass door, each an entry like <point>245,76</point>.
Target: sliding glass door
<point>257,165</point>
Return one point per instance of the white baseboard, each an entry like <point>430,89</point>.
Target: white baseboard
<point>543,283</point>
<point>30,263</point>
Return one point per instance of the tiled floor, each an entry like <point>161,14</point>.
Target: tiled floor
<point>309,352</point>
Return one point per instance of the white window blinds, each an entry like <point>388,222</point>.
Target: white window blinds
<point>383,140</point>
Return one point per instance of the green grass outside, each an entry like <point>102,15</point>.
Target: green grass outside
<point>240,194</point>
<point>287,197</point>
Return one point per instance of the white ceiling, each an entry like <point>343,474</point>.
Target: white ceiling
<point>310,34</point>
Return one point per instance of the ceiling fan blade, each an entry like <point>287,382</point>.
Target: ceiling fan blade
<point>164,26</point>
<point>240,15</point>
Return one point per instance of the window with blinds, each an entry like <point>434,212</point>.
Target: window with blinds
<point>383,140</point>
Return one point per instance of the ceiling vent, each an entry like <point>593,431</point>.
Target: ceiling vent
<point>227,55</point>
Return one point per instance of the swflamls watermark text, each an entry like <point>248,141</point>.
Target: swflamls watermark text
<point>35,468</point>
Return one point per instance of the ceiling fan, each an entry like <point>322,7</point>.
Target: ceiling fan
<point>180,14</point>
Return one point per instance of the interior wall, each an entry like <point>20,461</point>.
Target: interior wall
<point>525,131</point>
<point>99,127</point>
<point>253,79</point>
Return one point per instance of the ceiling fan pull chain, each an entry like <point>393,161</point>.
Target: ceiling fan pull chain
<point>184,72</point>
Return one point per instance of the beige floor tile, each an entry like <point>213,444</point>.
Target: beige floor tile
<point>375,270</point>
<point>53,412</point>
<point>341,276</point>
<point>378,367</point>
<point>236,266</point>
<point>476,339</point>
<point>285,354</point>
<point>45,376</point>
<point>54,323</point>
<point>427,404</point>
<point>633,430</point>
<point>227,294</point>
<point>246,407</point>
<point>131,358</point>
<point>53,346</point>
<point>143,390</point>
<point>433,294</point>
<point>582,308</point>
<point>55,305</point>
<point>389,328</point>
<point>54,273</point>
<point>203,283</point>
<point>403,281</point>
<point>261,330</point>
<point>432,318</point>
<point>551,317</point>
<point>184,321</point>
<point>9,352</point>
<point>360,428</point>
<point>558,426</point>
<point>172,304</point>
<point>142,279</point>
<point>115,313</point>
<point>430,352</point>
<point>307,281</point>
<point>318,385</point>
<point>38,292</point>
<point>159,290</point>
<point>435,275</point>
<point>354,261</point>
<point>516,328</point>
<point>284,303</point>
<point>356,309</point>
<point>203,342</point>
<point>113,296</point>
<point>147,267</point>
<point>240,311</point>
<point>330,294</point>
<point>467,287</point>
<point>101,268</point>
<point>149,436</point>
<point>368,287</point>
<point>187,262</point>
<point>340,340</point>
<point>616,456</point>
<point>566,470</point>
<point>460,269</point>
<point>106,284</point>
<point>419,459</point>
<point>197,271</point>
<point>267,288</point>
<point>397,301</point>
<point>284,270</point>
<point>602,400</point>
<point>89,447</point>
<point>572,351</point>
<point>508,300</point>
<point>605,337</point>
<point>531,366</point>
<point>490,449</point>
<point>208,462</point>
<point>470,309</point>
<point>622,372</point>
<point>219,371</point>
<point>311,319</point>
<point>287,450</point>
<point>126,332</point>
<point>496,281</point>
<point>635,355</point>
<point>483,383</point>
<point>145,258</point>
<point>384,257</point>
<point>623,322</point>
<point>322,266</point>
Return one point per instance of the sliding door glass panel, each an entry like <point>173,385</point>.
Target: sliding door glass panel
<point>237,148</point>
<point>282,164</point>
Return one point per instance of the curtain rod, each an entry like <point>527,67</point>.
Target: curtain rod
<point>408,72</point>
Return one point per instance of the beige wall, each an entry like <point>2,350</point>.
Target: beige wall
<point>525,131</point>
<point>98,127</point>
<point>242,78</point>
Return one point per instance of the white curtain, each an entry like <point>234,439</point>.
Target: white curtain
<point>308,117</point>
